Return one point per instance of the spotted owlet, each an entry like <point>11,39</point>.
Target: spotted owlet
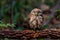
<point>35,18</point>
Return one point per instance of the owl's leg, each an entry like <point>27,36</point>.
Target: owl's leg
<point>35,26</point>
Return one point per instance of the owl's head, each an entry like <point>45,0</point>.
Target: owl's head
<point>36,11</point>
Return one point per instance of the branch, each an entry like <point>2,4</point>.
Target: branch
<point>46,33</point>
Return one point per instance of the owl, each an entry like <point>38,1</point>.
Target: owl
<point>35,18</point>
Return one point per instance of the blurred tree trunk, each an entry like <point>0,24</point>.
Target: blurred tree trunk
<point>11,21</point>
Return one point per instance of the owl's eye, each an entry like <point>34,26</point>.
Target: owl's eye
<point>39,12</point>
